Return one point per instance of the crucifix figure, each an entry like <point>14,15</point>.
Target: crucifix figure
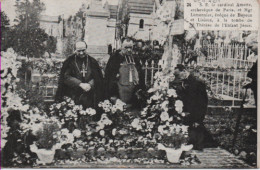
<point>84,70</point>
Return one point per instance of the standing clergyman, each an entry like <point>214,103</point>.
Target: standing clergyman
<point>122,74</point>
<point>81,79</point>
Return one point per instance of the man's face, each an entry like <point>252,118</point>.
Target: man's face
<point>127,47</point>
<point>128,50</point>
<point>139,45</point>
<point>180,75</point>
<point>81,53</point>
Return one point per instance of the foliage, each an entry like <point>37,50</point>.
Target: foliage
<point>10,100</point>
<point>5,23</point>
<point>124,18</point>
<point>80,14</point>
<point>32,42</point>
<point>33,92</point>
<point>69,45</point>
<point>47,135</point>
<point>12,107</point>
<point>28,13</point>
<point>72,116</point>
<point>26,38</point>
<point>164,114</point>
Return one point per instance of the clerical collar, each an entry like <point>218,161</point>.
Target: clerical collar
<point>80,58</point>
<point>129,59</point>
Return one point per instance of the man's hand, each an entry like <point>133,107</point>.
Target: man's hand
<point>85,86</point>
<point>247,83</point>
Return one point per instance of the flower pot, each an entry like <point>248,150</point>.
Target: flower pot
<point>173,155</point>
<point>45,156</point>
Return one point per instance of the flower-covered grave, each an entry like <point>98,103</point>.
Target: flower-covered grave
<point>66,133</point>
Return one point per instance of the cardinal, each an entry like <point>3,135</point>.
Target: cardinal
<point>81,79</point>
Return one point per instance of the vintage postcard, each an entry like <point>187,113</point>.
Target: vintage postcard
<point>129,83</point>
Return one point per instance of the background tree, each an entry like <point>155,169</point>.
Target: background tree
<point>28,14</point>
<point>80,14</point>
<point>69,45</point>
<point>28,38</point>
<point>5,23</point>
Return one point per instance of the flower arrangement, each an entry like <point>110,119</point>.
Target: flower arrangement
<point>163,118</point>
<point>47,136</point>
<point>115,112</point>
<point>10,100</point>
<point>72,116</point>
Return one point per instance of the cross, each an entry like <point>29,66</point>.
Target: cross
<point>84,70</point>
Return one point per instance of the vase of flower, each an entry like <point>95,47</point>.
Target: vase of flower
<point>45,156</point>
<point>173,154</point>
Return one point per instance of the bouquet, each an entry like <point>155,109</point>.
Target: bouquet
<point>72,116</point>
<point>163,117</point>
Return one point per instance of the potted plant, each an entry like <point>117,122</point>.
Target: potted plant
<point>48,140</point>
<point>162,120</point>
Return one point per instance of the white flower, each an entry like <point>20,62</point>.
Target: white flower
<point>91,111</point>
<point>164,116</point>
<point>179,106</point>
<point>100,126</point>
<point>58,106</point>
<point>178,109</point>
<point>171,93</point>
<point>114,132</point>
<point>102,133</point>
<point>76,133</point>
<point>105,120</point>
<point>143,113</point>
<point>36,127</point>
<point>24,108</point>
<point>120,105</point>
<point>106,105</point>
<point>151,90</point>
<point>113,109</point>
<point>88,133</point>
<point>184,129</point>
<point>161,129</point>
<point>64,131</point>
<point>3,142</point>
<point>83,112</point>
<point>136,124</point>
<point>156,96</point>
<point>164,105</point>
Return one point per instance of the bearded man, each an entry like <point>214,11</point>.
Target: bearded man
<point>81,79</point>
<point>122,74</point>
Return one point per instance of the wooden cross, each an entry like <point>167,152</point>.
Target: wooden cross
<point>84,70</point>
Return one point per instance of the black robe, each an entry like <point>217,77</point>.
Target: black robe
<point>253,85</point>
<point>111,71</point>
<point>71,77</point>
<point>195,100</point>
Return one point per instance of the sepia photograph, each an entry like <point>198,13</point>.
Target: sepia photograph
<point>127,84</point>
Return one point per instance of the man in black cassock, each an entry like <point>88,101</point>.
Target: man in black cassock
<point>123,74</point>
<point>81,79</point>
<point>193,94</point>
